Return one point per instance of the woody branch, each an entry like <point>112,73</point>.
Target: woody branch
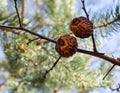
<point>87,15</point>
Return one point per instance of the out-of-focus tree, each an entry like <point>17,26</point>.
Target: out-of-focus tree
<point>29,56</point>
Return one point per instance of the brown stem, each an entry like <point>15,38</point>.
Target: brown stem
<point>31,40</point>
<point>84,9</point>
<point>108,23</point>
<point>99,55</point>
<point>47,71</point>
<point>87,15</point>
<point>116,89</point>
<point>94,46</point>
<point>26,30</point>
<point>108,71</point>
<point>15,1</point>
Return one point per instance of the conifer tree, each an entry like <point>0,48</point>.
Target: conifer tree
<point>30,30</point>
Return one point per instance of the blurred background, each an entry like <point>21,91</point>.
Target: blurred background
<point>22,62</point>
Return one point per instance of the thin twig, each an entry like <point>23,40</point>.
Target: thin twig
<point>20,23</point>
<point>99,55</point>
<point>108,23</point>
<point>116,89</point>
<point>29,31</point>
<point>84,8</point>
<point>47,71</point>
<point>94,46</point>
<point>31,40</point>
<point>108,71</point>
<point>87,15</point>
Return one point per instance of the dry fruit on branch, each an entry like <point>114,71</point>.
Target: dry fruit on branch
<point>66,46</point>
<point>81,27</point>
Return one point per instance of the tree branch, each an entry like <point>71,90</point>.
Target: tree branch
<point>109,71</point>
<point>99,55</point>
<point>28,31</point>
<point>47,71</point>
<point>31,40</point>
<point>105,24</point>
<point>84,9</point>
<point>116,89</point>
<point>87,15</point>
<point>105,57</point>
<point>20,23</point>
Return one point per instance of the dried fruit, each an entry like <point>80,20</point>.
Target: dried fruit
<point>66,45</point>
<point>81,27</point>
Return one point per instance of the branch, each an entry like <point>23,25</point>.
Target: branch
<point>105,24</point>
<point>31,40</point>
<point>28,31</point>
<point>93,40</point>
<point>20,23</point>
<point>109,59</point>
<point>109,71</point>
<point>87,15</point>
<point>44,76</point>
<point>116,89</point>
<point>99,55</point>
<point>84,9</point>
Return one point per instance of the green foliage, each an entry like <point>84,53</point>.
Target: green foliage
<point>107,22</point>
<point>28,62</point>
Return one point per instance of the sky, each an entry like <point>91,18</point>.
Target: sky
<point>2,55</point>
<point>96,6</point>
